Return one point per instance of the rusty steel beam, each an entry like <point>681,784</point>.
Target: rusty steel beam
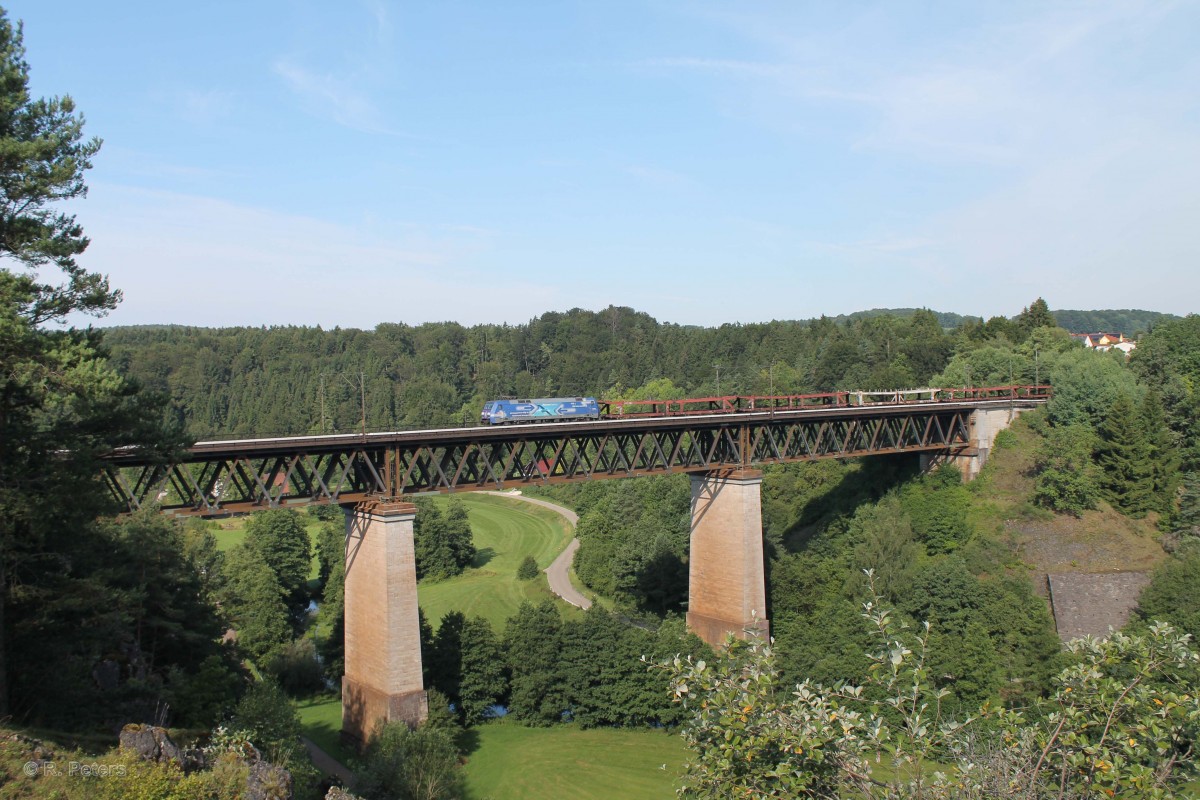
<point>215,478</point>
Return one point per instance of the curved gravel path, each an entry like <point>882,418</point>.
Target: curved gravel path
<point>557,572</point>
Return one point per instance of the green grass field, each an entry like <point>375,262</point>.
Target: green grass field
<point>507,761</point>
<point>505,532</point>
<point>321,721</point>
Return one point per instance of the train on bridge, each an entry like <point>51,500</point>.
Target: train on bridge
<point>562,409</point>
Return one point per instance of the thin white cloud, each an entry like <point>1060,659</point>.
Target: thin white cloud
<point>723,66</point>
<point>196,260</point>
<point>340,79</point>
<point>383,22</point>
<point>658,177</point>
<point>334,96</point>
<point>205,107</point>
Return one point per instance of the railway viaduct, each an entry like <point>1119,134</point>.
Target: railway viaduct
<point>370,475</point>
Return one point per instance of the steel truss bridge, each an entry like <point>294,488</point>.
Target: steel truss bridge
<point>224,477</point>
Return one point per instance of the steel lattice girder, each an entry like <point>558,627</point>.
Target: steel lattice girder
<point>233,481</point>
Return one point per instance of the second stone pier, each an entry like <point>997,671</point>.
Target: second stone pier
<point>727,590</point>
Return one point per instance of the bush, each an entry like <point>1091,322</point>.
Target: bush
<point>268,715</point>
<point>201,699</point>
<point>1005,440</point>
<point>1120,722</point>
<point>1066,480</point>
<point>528,569</point>
<point>403,764</point>
<point>296,668</point>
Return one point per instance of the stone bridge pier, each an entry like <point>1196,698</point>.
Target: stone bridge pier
<point>727,590</point>
<point>382,682</point>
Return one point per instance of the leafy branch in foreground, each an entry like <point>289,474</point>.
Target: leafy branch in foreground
<point>1121,721</point>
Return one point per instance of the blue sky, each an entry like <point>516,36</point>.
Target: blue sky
<point>361,162</point>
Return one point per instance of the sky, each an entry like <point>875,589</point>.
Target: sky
<point>352,163</point>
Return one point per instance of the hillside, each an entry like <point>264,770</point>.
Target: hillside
<point>1128,321</point>
<point>1089,568</point>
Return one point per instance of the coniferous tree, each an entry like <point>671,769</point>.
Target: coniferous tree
<point>458,530</point>
<point>1123,457</point>
<point>445,663</point>
<point>1171,594</point>
<point>255,602</point>
<point>331,547</point>
<point>444,543</point>
<point>280,539</point>
<point>62,404</point>
<point>532,643</point>
<point>332,619</point>
<point>1161,454</point>
<point>1037,315</point>
<point>1185,522</point>
<point>483,683</point>
<point>200,547</point>
<point>528,570</point>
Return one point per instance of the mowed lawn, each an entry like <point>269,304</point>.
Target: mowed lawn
<point>506,530</point>
<point>321,721</point>
<point>510,762</point>
<point>507,761</point>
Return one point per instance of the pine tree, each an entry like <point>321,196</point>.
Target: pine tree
<point>532,642</point>
<point>1037,315</point>
<point>280,538</point>
<point>1123,456</point>
<point>484,683</point>
<point>1162,454</point>
<point>445,663</point>
<point>1185,522</point>
<point>255,601</point>
<point>435,559</point>
<point>460,537</point>
<point>61,404</point>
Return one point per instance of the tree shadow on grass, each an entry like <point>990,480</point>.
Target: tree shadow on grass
<point>482,557</point>
<point>467,741</point>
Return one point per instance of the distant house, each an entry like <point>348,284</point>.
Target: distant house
<point>1105,341</point>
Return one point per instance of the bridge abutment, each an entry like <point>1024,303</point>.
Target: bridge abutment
<point>985,424</point>
<point>727,591</point>
<point>382,682</point>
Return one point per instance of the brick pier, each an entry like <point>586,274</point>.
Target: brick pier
<point>383,639</point>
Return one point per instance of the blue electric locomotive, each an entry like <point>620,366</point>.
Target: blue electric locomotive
<point>550,409</point>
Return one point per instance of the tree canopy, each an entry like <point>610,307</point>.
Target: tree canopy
<point>62,404</point>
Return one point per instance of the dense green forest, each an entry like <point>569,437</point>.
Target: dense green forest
<point>1130,322</point>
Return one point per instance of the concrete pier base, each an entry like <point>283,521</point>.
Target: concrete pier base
<point>727,591</point>
<point>382,682</point>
